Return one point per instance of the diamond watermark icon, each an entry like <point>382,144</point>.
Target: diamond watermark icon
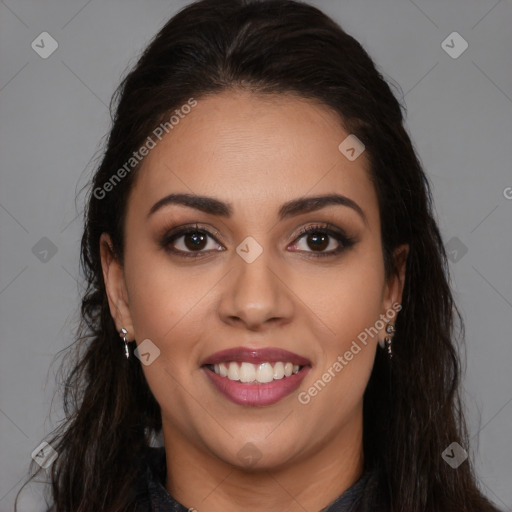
<point>455,249</point>
<point>454,455</point>
<point>351,147</point>
<point>44,455</point>
<point>44,45</point>
<point>249,454</point>
<point>147,352</point>
<point>454,45</point>
<point>44,250</point>
<point>249,249</point>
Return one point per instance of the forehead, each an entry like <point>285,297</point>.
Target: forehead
<point>251,149</point>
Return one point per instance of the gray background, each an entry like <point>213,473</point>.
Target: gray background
<point>54,116</point>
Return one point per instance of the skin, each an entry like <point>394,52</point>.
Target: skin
<point>255,153</point>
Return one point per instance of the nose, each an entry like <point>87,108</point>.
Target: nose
<point>256,294</point>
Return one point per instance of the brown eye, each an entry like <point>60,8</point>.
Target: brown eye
<point>195,241</point>
<point>318,241</point>
<point>320,238</point>
<point>189,242</point>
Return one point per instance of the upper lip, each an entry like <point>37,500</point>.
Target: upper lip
<point>256,356</point>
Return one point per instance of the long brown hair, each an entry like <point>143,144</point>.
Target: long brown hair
<point>412,408</point>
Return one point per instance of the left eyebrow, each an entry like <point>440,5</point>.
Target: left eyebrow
<point>291,208</point>
<point>314,203</point>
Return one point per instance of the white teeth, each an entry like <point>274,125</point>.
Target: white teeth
<point>233,371</point>
<point>262,373</point>
<point>278,370</point>
<point>247,373</point>
<point>222,370</point>
<point>265,373</point>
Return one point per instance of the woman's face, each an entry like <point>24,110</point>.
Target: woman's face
<point>245,279</point>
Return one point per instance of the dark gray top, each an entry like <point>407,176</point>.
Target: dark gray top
<point>152,496</point>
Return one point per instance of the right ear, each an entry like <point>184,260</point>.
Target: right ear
<point>115,287</point>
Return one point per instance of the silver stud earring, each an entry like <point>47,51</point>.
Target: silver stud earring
<point>123,332</point>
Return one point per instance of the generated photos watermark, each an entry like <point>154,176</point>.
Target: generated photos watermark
<point>149,144</point>
<point>304,397</point>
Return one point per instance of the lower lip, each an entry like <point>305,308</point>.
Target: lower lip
<point>257,394</point>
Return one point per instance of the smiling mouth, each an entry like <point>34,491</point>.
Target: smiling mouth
<point>250,373</point>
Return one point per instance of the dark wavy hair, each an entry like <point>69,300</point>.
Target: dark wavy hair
<point>412,407</point>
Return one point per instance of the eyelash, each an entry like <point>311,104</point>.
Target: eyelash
<point>326,229</point>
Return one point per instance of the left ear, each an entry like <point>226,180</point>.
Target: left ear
<point>395,285</point>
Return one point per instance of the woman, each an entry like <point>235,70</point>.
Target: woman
<point>258,226</point>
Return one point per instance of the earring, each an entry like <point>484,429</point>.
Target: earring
<point>123,332</point>
<point>390,329</point>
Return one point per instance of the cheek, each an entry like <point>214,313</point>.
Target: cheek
<point>346,298</point>
<point>162,295</point>
<point>346,352</point>
<point>166,307</point>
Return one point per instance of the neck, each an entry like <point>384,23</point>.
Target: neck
<point>308,481</point>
